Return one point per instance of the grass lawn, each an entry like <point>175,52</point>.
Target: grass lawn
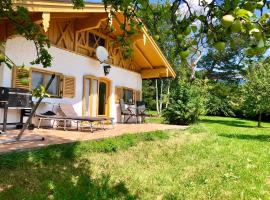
<point>219,158</point>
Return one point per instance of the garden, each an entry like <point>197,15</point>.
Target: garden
<point>218,158</point>
<point>220,53</point>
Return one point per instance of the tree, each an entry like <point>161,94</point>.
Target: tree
<point>228,66</point>
<point>257,90</point>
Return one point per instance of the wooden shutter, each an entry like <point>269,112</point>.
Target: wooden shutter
<point>69,86</point>
<point>118,94</point>
<point>21,78</point>
<point>138,95</point>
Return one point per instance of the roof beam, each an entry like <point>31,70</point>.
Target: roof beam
<point>92,22</point>
<point>143,56</point>
<point>155,73</point>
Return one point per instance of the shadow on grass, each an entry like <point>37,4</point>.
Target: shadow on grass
<point>63,172</point>
<point>232,122</point>
<point>261,138</point>
<point>62,180</point>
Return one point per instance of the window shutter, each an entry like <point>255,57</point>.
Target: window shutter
<point>138,95</point>
<point>69,86</point>
<point>118,94</point>
<point>21,78</point>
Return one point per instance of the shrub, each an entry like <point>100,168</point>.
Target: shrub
<point>186,104</point>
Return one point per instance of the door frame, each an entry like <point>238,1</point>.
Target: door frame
<point>108,95</point>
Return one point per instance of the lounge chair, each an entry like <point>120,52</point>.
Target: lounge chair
<point>127,112</point>
<point>142,111</point>
<point>67,113</point>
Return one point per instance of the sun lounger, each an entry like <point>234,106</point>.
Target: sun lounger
<point>67,113</point>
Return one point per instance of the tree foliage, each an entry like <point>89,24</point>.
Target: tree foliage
<point>223,99</point>
<point>257,90</point>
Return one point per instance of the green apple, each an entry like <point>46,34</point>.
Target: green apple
<point>180,37</point>
<point>227,20</point>
<point>220,46</point>
<point>184,54</point>
<point>236,26</point>
<point>2,58</point>
<point>24,81</point>
<point>156,37</point>
<point>256,33</point>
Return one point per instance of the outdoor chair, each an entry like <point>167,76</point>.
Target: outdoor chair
<point>68,114</point>
<point>142,110</point>
<point>127,112</point>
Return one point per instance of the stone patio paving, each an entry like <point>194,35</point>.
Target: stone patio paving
<point>53,136</point>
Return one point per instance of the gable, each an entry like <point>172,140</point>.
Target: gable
<point>81,30</point>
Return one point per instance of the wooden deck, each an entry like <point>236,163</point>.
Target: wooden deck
<point>53,136</point>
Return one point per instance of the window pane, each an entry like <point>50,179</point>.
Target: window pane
<point>102,99</point>
<point>92,40</point>
<point>101,42</point>
<point>94,98</point>
<point>53,89</point>
<point>87,97</point>
<point>37,79</point>
<point>128,96</point>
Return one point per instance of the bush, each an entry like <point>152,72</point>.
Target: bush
<point>186,104</point>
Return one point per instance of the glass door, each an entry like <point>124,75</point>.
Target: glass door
<point>95,97</point>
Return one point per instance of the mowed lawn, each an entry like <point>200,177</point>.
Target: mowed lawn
<point>219,158</point>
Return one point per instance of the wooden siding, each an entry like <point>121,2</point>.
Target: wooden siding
<point>62,33</point>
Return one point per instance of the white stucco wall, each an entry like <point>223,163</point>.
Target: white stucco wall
<point>21,51</point>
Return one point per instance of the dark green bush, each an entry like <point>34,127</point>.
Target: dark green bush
<point>186,104</point>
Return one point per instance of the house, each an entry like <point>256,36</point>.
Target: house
<point>80,79</point>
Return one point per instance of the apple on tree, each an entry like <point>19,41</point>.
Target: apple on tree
<point>220,46</point>
<point>184,54</point>
<point>227,20</point>
<point>236,26</point>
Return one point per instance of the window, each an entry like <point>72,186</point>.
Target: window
<point>42,78</point>
<point>128,96</point>
<point>95,41</point>
<point>62,85</point>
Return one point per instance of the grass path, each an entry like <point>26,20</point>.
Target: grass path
<point>219,158</point>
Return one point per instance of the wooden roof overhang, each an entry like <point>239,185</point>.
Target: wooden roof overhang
<point>148,58</point>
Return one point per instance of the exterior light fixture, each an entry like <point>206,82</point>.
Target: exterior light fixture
<point>106,69</point>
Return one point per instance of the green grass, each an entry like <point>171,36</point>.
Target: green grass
<point>219,158</point>
<point>155,118</point>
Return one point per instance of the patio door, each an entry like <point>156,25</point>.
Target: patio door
<point>95,97</point>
